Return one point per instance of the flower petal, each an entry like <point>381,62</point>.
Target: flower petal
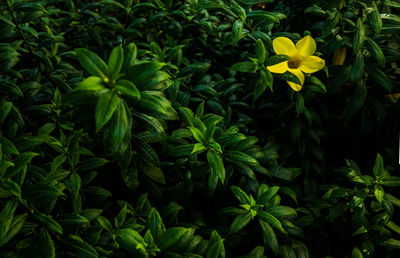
<point>312,64</point>
<point>278,68</point>
<point>306,46</point>
<point>283,46</point>
<point>299,75</point>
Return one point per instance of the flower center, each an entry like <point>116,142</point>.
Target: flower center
<point>294,62</point>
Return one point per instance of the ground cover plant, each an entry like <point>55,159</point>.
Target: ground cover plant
<point>199,128</point>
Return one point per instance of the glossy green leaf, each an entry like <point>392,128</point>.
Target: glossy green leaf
<point>115,61</point>
<point>216,164</point>
<point>92,83</point>
<point>92,63</point>
<point>127,89</point>
<point>245,67</point>
<point>376,51</point>
<point>105,107</point>
<point>237,28</point>
<point>240,221</point>
<point>269,236</point>
<point>359,36</point>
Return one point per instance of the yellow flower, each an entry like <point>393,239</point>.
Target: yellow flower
<point>301,58</point>
<point>339,56</point>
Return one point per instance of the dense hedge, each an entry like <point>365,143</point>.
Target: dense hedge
<point>197,128</point>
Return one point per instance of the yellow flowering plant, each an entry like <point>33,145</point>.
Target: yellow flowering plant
<point>301,58</point>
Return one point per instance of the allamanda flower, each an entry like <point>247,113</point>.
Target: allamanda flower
<point>301,58</point>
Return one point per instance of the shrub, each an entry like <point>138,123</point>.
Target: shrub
<point>199,128</point>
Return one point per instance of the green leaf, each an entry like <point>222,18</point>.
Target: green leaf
<point>314,80</point>
<point>265,80</point>
<point>195,68</point>
<point>142,72</point>
<point>8,57</point>
<point>171,236</point>
<point>375,19</point>
<point>57,162</point>
<point>357,69</point>
<point>6,218</point>
<point>270,219</point>
<point>11,187</point>
<point>379,169</point>
<point>91,62</point>
<point>391,243</point>
<point>198,147</point>
<point>240,156</point>
<point>47,247</point>
<point>92,83</point>
<point>80,248</point>
<point>379,77</point>
<point>216,164</point>
<point>209,134</point>
<point>359,36</point>
<point>393,226</point>
<point>187,115</point>
<point>393,200</point>
<point>282,211</point>
<point>299,103</point>
<point>257,252</point>
<point>288,76</point>
<point>197,134</point>
<point>41,194</point>
<point>237,28</point>
<point>379,193</point>
<point>105,223</point>
<point>269,236</point>
<point>263,16</point>
<point>216,246</point>
<point>330,23</point>
<point>356,253</point>
<point>105,108</point>
<point>92,163</point>
<point>20,163</point>
<point>358,198</point>
<point>70,221</point>
<point>113,3</point>
<point>5,108</point>
<point>287,252</point>
<point>264,37</point>
<point>157,105</point>
<point>260,52</point>
<point>8,146</point>
<point>129,240</point>
<point>265,197</point>
<point>240,221</point>
<point>91,214</point>
<point>121,217</point>
<point>245,67</point>
<point>155,224</point>
<point>115,61</point>
<point>127,89</point>
<point>49,222</point>
<point>390,181</point>
<point>119,125</point>
<point>300,249</point>
<point>14,228</point>
<point>376,51</point>
<point>130,56</point>
<point>154,173</point>
<point>241,195</point>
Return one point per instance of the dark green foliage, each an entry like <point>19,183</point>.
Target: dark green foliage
<point>154,128</point>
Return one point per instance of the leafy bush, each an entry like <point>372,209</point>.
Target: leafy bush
<point>199,128</point>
